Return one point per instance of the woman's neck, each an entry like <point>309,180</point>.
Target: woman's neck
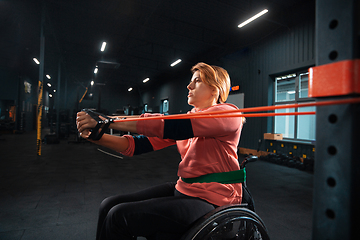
<point>205,106</point>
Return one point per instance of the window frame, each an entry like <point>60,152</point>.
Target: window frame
<point>297,99</point>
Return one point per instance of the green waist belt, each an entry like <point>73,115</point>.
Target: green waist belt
<point>238,176</point>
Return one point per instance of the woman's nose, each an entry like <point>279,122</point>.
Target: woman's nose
<point>190,85</point>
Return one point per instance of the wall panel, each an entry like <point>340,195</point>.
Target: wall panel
<point>286,50</point>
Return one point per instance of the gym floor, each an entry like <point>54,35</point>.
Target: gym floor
<point>57,195</point>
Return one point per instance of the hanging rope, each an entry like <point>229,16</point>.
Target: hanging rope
<point>83,95</point>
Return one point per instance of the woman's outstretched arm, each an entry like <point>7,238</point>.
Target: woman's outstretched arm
<point>85,123</point>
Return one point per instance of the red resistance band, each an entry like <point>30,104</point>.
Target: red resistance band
<point>240,112</point>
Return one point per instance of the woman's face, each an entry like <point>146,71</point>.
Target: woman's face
<point>200,94</point>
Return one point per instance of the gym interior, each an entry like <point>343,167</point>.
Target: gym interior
<point>125,58</point>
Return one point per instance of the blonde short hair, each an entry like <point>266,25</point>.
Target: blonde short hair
<point>214,76</point>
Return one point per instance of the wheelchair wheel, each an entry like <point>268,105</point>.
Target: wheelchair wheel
<point>231,222</point>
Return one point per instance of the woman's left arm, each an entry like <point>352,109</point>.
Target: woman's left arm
<point>180,129</point>
<point>215,127</point>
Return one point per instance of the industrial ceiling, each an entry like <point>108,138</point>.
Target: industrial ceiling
<point>143,36</point>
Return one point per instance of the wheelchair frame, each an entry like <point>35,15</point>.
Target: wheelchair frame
<point>228,222</point>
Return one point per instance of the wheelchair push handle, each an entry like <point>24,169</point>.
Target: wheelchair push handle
<point>248,159</point>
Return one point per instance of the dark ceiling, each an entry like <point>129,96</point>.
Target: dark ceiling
<point>143,36</point>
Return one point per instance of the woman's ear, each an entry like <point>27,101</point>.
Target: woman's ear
<point>216,93</point>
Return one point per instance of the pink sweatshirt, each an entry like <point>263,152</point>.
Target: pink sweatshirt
<point>213,149</point>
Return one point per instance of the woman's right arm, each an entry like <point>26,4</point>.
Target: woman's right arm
<point>116,143</point>
<point>84,123</point>
<point>127,145</point>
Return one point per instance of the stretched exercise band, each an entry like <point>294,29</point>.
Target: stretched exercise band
<point>239,112</point>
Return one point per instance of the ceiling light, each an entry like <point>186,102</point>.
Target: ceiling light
<point>291,92</point>
<point>146,80</point>
<point>92,83</point>
<point>253,18</point>
<point>176,62</point>
<point>48,76</point>
<point>50,95</point>
<point>35,60</point>
<point>103,46</point>
<point>54,90</point>
<point>96,70</point>
<point>130,89</point>
<point>49,85</point>
<point>91,94</point>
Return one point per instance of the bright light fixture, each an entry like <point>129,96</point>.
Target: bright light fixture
<point>91,94</point>
<point>291,92</point>
<point>130,89</point>
<point>103,46</point>
<point>48,76</point>
<point>92,83</point>
<point>54,90</point>
<point>37,61</point>
<point>49,85</point>
<point>176,62</point>
<point>146,80</point>
<point>96,70</point>
<point>50,95</point>
<point>253,18</point>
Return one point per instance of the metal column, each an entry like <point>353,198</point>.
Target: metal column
<point>336,202</point>
<point>40,86</point>
<point>57,98</point>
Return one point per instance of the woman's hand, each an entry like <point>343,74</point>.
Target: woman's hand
<point>84,124</point>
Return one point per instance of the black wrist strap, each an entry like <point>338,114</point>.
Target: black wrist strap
<point>103,124</point>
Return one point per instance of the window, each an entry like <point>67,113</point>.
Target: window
<point>164,107</point>
<point>303,85</point>
<point>289,89</point>
<point>285,88</point>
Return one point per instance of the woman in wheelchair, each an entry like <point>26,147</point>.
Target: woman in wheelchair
<point>208,149</point>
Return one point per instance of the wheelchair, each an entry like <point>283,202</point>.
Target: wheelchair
<point>233,222</point>
<point>230,222</point>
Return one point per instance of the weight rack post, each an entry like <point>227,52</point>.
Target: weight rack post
<point>336,202</point>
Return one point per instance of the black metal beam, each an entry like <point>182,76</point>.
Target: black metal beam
<point>337,166</point>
